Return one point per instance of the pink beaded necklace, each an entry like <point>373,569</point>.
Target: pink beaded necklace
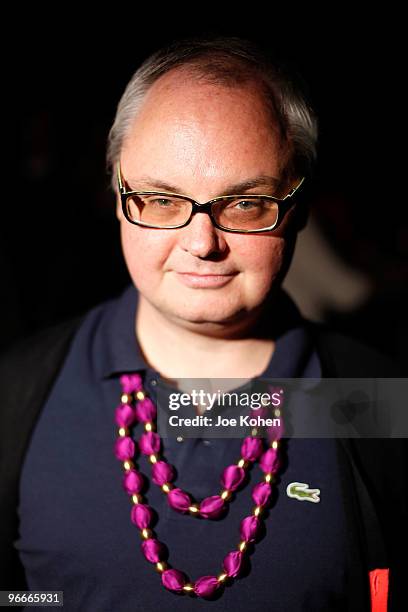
<point>252,449</point>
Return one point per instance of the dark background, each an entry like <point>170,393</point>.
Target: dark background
<point>59,238</point>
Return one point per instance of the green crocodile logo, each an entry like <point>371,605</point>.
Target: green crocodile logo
<point>301,491</point>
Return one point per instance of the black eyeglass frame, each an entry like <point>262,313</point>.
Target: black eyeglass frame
<point>284,205</point>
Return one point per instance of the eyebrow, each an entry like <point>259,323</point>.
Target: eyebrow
<point>263,180</point>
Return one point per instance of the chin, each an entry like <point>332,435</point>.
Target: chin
<point>206,317</point>
<point>202,316</point>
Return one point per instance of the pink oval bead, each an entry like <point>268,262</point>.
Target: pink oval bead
<point>124,415</point>
<point>149,443</point>
<point>269,461</point>
<point>249,528</point>
<point>131,382</point>
<point>232,477</point>
<point>212,507</point>
<point>124,448</point>
<point>133,482</point>
<point>232,563</point>
<point>179,500</point>
<point>251,448</point>
<point>141,516</point>
<point>261,493</point>
<point>206,586</point>
<point>153,550</point>
<point>275,432</point>
<point>263,412</point>
<point>162,472</point>
<point>146,410</point>
<point>173,580</point>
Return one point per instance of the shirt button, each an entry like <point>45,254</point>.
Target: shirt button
<point>179,438</point>
<point>206,443</point>
<point>153,382</point>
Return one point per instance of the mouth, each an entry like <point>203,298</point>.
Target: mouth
<point>204,281</point>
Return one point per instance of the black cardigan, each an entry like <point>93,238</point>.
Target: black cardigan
<point>376,467</point>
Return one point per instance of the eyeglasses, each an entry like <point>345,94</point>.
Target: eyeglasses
<point>232,213</point>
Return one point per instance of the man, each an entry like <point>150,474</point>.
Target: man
<point>198,121</point>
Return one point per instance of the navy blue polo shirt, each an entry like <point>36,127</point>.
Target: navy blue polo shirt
<point>75,528</point>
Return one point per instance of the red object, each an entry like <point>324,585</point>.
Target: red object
<point>379,589</point>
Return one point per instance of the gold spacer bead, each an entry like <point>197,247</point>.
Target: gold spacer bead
<point>161,566</point>
<point>242,463</point>
<point>128,465</point>
<point>153,458</point>
<point>268,477</point>
<point>148,426</point>
<point>194,508</point>
<point>275,444</point>
<point>146,534</point>
<point>257,510</point>
<point>222,577</point>
<point>225,494</point>
<point>136,499</point>
<point>188,587</point>
<point>242,546</point>
<point>123,431</point>
<point>140,395</point>
<point>277,413</point>
<point>126,398</point>
<point>166,487</point>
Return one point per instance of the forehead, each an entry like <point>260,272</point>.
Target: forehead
<point>188,128</point>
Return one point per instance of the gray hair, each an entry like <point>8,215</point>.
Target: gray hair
<point>227,61</point>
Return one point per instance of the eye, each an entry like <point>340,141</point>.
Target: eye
<point>162,202</point>
<point>247,204</point>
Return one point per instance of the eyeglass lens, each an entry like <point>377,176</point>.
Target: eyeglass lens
<point>245,213</point>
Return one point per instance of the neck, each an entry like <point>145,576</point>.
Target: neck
<point>177,351</point>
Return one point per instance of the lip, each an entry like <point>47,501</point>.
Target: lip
<point>203,281</point>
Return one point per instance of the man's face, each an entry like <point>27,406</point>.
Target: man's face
<point>201,139</point>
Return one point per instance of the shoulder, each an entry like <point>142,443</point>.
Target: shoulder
<point>27,370</point>
<point>30,366</point>
<point>344,356</point>
<point>46,345</point>
<point>381,460</point>
<point>51,342</point>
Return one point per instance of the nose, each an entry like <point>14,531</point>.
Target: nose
<point>200,238</point>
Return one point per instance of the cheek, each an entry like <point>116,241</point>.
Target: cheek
<point>262,256</point>
<point>144,251</point>
<point>264,263</point>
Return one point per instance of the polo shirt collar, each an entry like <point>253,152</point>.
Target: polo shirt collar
<point>118,351</point>
<point>118,348</point>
